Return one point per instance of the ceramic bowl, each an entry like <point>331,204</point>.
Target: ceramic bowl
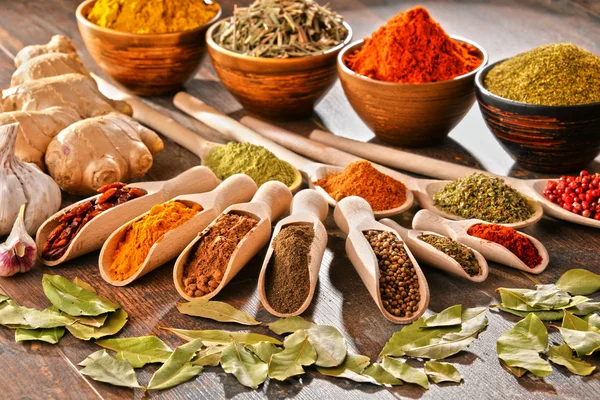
<point>541,138</point>
<point>276,88</point>
<point>145,64</point>
<point>409,114</point>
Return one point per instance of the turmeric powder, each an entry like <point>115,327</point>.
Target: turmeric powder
<point>142,234</point>
<point>152,16</point>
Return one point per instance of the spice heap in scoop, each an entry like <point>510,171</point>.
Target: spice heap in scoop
<point>413,48</point>
<point>458,251</point>
<point>148,16</point>
<point>281,29</point>
<point>483,197</point>
<point>558,74</point>
<point>578,194</point>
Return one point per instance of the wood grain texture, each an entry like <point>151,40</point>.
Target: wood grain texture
<point>502,28</point>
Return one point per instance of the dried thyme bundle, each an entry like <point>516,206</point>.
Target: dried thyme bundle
<point>281,29</point>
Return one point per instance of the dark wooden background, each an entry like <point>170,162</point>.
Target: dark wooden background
<point>38,370</point>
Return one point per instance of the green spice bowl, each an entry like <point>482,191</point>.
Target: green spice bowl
<point>276,88</point>
<point>541,138</point>
<point>409,114</point>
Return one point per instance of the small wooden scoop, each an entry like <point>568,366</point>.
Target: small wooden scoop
<point>430,255</point>
<point>308,208</point>
<point>457,230</point>
<point>270,201</point>
<point>94,233</point>
<point>354,217</point>
<point>235,189</point>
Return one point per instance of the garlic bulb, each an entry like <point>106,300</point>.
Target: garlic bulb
<point>18,253</point>
<point>22,183</point>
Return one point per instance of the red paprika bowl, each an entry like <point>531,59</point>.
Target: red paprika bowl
<point>541,138</point>
<point>409,114</point>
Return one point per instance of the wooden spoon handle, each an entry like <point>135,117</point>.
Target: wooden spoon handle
<point>425,220</point>
<point>402,231</point>
<point>351,211</point>
<point>238,188</point>
<point>194,180</point>
<point>311,201</point>
<point>276,196</point>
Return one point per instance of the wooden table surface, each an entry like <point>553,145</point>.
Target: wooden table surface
<point>503,28</point>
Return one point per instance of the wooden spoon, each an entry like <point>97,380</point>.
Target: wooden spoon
<point>308,208</point>
<point>270,201</point>
<point>235,189</point>
<point>430,255</point>
<point>423,189</point>
<point>94,233</point>
<point>354,216</point>
<point>313,171</point>
<point>445,170</point>
<point>457,230</point>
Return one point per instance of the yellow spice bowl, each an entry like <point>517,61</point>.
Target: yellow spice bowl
<point>145,64</point>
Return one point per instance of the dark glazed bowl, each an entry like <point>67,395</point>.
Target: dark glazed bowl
<point>145,64</point>
<point>541,138</point>
<point>409,114</point>
<point>276,88</point>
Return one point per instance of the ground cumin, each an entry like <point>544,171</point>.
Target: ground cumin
<point>362,179</point>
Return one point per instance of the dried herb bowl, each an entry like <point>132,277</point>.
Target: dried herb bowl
<point>276,88</point>
<point>541,138</point>
<point>145,64</point>
<point>409,114</point>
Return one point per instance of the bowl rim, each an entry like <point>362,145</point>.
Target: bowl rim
<point>83,20</point>
<point>482,89</point>
<point>214,45</point>
<point>345,69</point>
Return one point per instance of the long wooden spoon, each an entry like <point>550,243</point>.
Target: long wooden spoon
<point>308,209</point>
<point>270,201</point>
<point>96,231</point>
<point>235,189</point>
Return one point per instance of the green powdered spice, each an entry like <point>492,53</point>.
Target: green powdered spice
<point>554,75</point>
<point>246,158</point>
<point>459,252</point>
<point>483,197</point>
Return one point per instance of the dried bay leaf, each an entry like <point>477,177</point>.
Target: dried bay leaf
<point>101,367</point>
<point>442,372</point>
<point>264,350</point>
<point>585,308</point>
<point>3,298</point>
<point>381,376</point>
<point>48,335</point>
<point>401,370</point>
<point>216,337</point>
<point>520,346</point>
<point>579,282</point>
<point>563,355</point>
<point>209,357</point>
<point>139,351</point>
<point>73,299</point>
<point>177,369</point>
<point>15,316</point>
<point>448,317</point>
<point>113,324</point>
<point>249,370</point>
<point>83,284</point>
<point>352,368</point>
<point>593,320</point>
<point>550,315</point>
<point>289,325</point>
<point>579,335</point>
<point>217,311</point>
<point>291,360</point>
<point>329,343</point>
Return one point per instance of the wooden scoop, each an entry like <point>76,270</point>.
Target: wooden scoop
<point>235,189</point>
<point>308,208</point>
<point>457,230</point>
<point>430,255</point>
<point>354,217</point>
<point>270,201</point>
<point>94,233</point>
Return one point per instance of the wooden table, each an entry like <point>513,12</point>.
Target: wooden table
<point>34,370</point>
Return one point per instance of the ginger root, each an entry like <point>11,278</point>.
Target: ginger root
<point>58,44</point>
<point>47,65</point>
<point>101,150</point>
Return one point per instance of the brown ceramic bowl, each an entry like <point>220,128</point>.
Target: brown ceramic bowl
<point>541,138</point>
<point>409,114</point>
<point>146,64</point>
<point>276,88</point>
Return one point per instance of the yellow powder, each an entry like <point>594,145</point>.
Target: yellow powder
<point>152,16</point>
<point>142,235</point>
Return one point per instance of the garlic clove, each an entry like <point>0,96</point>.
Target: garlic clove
<point>18,253</point>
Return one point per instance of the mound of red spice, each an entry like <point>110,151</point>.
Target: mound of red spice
<point>413,48</point>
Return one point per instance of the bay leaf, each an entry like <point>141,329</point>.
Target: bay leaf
<point>15,316</point>
<point>217,311</point>
<point>83,284</point>
<point>352,368</point>
<point>579,335</point>
<point>550,315</point>
<point>442,372</point>
<point>579,282</point>
<point>177,369</point>
<point>289,325</point>
<point>139,351</point>
<point>329,344</point>
<point>264,350</point>
<point>291,360</point>
<point>547,297</point>
<point>209,357</point>
<point>113,324</point>
<point>593,320</point>
<point>48,335</point>
<point>514,299</point>
<point>586,308</point>
<point>401,370</point>
<point>73,299</point>
<point>215,337</point>
<point>101,367</point>
<point>381,376</point>
<point>520,346</point>
<point>249,370</point>
<point>96,321</point>
<point>3,298</point>
<point>448,317</point>
<point>516,371</point>
<point>563,355</point>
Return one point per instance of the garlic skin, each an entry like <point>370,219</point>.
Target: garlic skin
<point>18,253</point>
<point>22,183</point>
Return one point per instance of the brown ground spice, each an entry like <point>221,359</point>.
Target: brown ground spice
<point>287,282</point>
<point>205,270</point>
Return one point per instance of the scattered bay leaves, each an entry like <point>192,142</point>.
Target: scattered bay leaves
<point>289,325</point>
<point>13,315</point>
<point>83,284</point>
<point>264,350</point>
<point>217,311</point>
<point>209,357</point>
<point>101,367</point>
<point>139,351</point>
<point>380,375</point>
<point>352,368</point>
<point>291,360</point>
<point>579,282</point>
<point>215,337</point>
<point>579,335</point>
<point>401,370</point>
<point>115,321</point>
<point>177,369</point>
<point>442,372</point>
<point>73,299</point>
<point>48,335</point>
<point>448,317</point>
<point>563,355</point>
<point>249,370</point>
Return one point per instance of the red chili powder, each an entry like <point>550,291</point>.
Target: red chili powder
<point>518,244</point>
